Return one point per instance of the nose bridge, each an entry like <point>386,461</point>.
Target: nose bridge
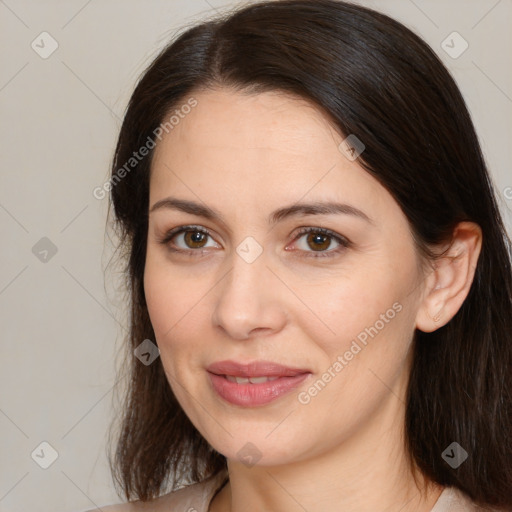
<point>245,301</point>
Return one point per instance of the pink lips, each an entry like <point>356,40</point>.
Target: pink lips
<point>248,394</point>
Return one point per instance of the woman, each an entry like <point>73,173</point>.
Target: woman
<point>315,247</point>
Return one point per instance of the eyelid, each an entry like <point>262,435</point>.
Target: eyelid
<point>343,242</point>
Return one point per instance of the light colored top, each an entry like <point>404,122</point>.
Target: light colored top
<point>197,497</point>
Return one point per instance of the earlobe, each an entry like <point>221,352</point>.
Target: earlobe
<point>448,285</point>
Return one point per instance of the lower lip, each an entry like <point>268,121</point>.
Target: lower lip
<point>250,395</point>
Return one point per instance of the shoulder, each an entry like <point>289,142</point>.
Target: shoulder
<point>454,500</point>
<point>194,496</point>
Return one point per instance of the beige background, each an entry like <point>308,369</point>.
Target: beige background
<point>59,122</point>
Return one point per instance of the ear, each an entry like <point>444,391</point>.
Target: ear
<point>448,285</point>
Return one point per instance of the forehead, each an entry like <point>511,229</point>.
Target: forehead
<point>271,120</point>
<point>254,148</point>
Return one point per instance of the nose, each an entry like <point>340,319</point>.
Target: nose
<point>249,300</point>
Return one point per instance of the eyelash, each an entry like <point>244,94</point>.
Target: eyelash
<point>344,243</point>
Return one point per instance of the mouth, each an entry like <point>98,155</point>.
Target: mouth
<point>254,370</point>
<point>254,384</point>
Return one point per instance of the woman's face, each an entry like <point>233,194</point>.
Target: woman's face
<point>256,288</point>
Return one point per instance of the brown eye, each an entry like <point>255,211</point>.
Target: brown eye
<point>185,239</point>
<point>194,239</point>
<point>318,242</point>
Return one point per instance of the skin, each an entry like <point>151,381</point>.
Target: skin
<point>245,156</point>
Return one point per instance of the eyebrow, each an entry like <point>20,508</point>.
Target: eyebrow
<point>313,208</point>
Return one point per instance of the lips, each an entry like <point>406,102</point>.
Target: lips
<point>255,370</point>
<point>254,384</point>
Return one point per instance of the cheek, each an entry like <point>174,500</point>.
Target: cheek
<point>169,297</point>
<point>361,364</point>
<point>160,298</point>
<point>357,307</point>
<point>176,307</point>
<point>170,312</point>
<point>370,320</point>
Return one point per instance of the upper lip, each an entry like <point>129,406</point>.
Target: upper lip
<point>254,369</point>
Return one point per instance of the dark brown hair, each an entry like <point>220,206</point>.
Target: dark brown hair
<point>379,81</point>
